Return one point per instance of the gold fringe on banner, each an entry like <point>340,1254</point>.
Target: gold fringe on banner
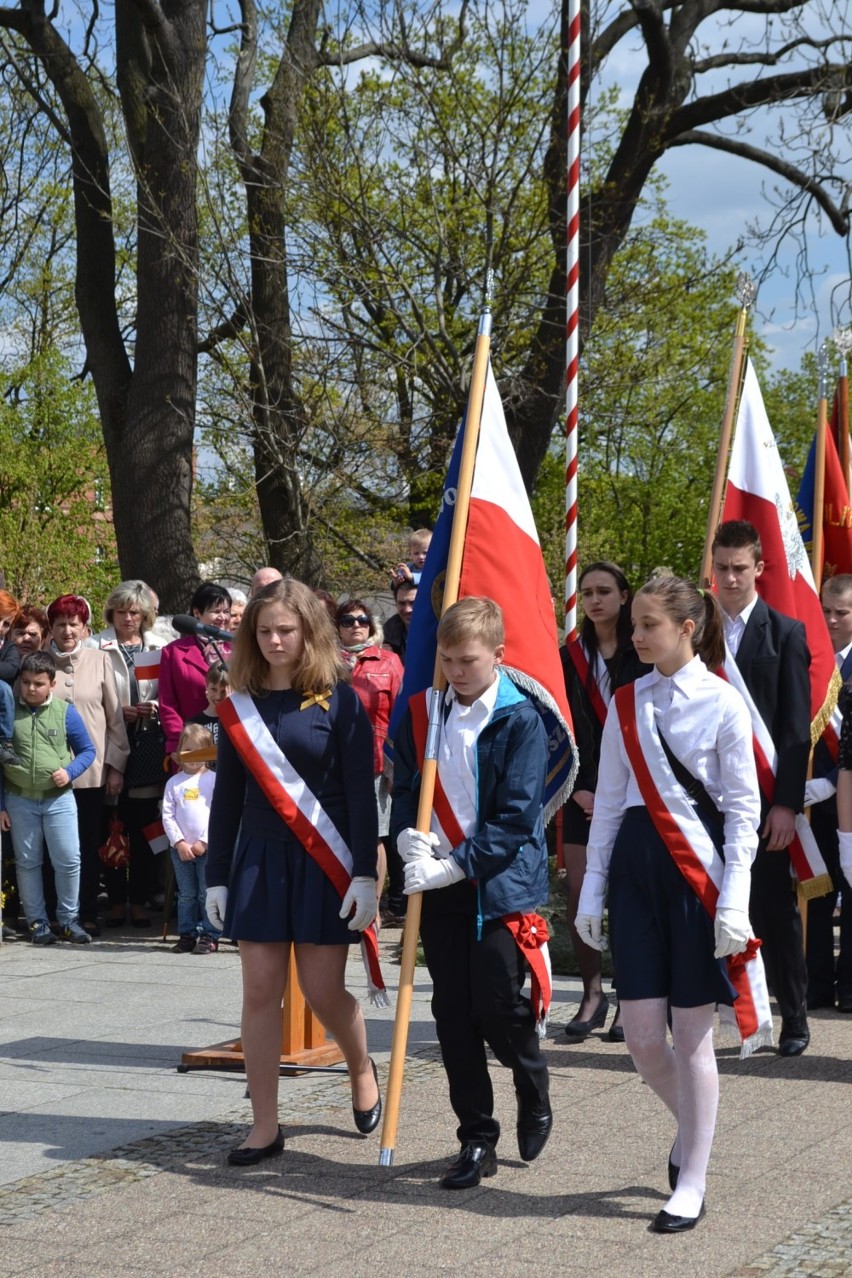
<point>824,714</point>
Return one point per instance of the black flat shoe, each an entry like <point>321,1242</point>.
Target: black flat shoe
<point>255,1154</point>
<point>577,1030</point>
<point>535,1122</point>
<point>367,1120</point>
<point>665,1223</point>
<point>141,922</point>
<point>111,921</point>
<point>474,1162</point>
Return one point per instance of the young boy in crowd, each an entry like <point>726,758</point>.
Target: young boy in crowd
<point>186,816</point>
<point>418,545</point>
<point>38,805</point>
<point>484,861</point>
<point>216,687</point>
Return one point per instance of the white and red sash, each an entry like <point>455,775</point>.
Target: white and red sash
<point>442,812</point>
<point>805,857</point>
<point>599,689</point>
<point>694,853</point>
<point>300,810</point>
<point>529,930</point>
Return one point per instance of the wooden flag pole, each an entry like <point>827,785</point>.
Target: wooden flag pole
<point>746,292</point>
<point>817,532</point>
<point>430,763</point>
<point>817,541</point>
<point>842,338</point>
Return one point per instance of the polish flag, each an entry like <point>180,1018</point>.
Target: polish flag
<point>147,664</point>
<point>758,491</point>
<point>157,838</point>
<point>503,560</point>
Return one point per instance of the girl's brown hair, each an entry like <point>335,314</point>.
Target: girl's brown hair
<point>319,667</point>
<point>683,601</point>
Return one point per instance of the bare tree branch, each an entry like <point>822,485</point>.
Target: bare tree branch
<point>839,218</point>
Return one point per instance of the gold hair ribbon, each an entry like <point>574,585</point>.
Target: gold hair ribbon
<point>320,699</point>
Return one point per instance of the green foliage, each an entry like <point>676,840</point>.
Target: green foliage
<point>652,393</point>
<point>54,486</point>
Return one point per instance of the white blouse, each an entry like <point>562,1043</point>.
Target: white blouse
<point>707,726</point>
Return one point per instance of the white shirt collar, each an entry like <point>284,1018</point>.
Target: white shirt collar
<point>684,680</point>
<point>741,617</point>
<point>841,656</point>
<point>487,701</point>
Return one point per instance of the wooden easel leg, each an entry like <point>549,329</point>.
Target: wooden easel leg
<point>304,1043</point>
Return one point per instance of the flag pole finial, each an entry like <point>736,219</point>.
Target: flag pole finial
<point>746,290</point>
<point>842,338</point>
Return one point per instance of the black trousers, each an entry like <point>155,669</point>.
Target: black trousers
<point>91,823</point>
<point>476,1001</point>
<point>397,900</point>
<point>823,972</point>
<point>775,917</point>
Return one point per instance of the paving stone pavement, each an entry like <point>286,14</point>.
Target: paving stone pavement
<point>112,1163</point>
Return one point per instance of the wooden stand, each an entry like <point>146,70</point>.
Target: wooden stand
<point>304,1044</point>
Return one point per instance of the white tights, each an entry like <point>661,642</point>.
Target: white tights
<point>685,1078</point>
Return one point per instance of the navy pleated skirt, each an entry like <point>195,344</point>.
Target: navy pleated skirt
<point>660,934</point>
<point>277,891</point>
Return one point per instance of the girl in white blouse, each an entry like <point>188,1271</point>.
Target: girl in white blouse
<point>676,745</point>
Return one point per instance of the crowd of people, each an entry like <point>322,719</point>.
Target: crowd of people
<point>264,760</point>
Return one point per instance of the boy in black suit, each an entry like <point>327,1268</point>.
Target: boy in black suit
<point>772,656</point>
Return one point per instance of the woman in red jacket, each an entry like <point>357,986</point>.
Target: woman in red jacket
<point>377,679</point>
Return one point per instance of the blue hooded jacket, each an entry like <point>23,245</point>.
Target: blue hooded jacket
<point>507,856</point>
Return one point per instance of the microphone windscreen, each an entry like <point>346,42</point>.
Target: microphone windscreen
<point>184,624</point>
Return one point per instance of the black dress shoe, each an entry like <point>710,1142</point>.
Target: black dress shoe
<point>576,1031</point>
<point>367,1120</point>
<point>474,1162</point>
<point>535,1122</point>
<point>665,1223</point>
<point>794,1036</point>
<point>844,1002</point>
<point>256,1153</point>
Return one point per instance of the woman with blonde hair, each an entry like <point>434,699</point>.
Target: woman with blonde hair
<point>293,830</point>
<point>128,639</point>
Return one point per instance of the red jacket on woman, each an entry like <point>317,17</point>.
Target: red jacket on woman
<point>377,678</point>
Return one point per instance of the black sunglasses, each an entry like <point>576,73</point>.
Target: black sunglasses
<point>349,620</point>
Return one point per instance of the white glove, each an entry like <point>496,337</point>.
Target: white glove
<point>215,903</point>
<point>844,841</point>
<point>818,789</point>
<point>590,929</point>
<point>422,876</point>
<point>361,896</point>
<point>414,845</point>
<point>732,931</point>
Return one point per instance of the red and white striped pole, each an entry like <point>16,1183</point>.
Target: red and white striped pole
<point>572,345</point>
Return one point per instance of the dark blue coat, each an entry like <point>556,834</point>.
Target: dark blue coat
<point>507,856</point>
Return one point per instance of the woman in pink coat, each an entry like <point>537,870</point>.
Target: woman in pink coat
<point>185,662</point>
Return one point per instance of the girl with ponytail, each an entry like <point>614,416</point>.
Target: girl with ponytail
<point>672,839</point>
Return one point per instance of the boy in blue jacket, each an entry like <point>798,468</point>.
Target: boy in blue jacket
<point>37,802</point>
<point>485,859</point>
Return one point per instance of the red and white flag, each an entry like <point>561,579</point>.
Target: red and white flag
<point>502,559</point>
<point>147,664</point>
<point>758,492</point>
<point>158,840</point>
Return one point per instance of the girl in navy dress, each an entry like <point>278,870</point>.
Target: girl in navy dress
<point>293,830</point>
<point>599,661</point>
<point>677,906</point>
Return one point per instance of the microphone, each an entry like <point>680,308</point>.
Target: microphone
<point>186,625</point>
